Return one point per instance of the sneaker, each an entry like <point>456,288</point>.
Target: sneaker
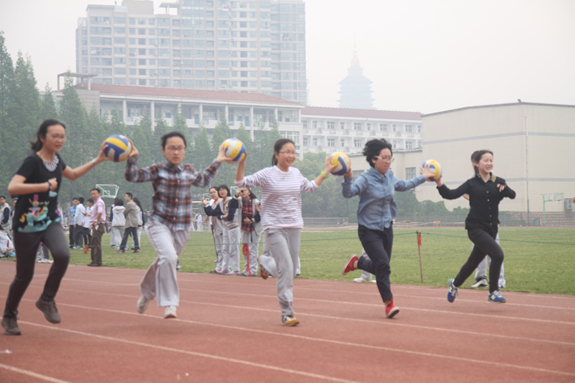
<point>49,261</point>
<point>86,249</point>
<point>391,310</point>
<point>11,326</point>
<point>136,250</point>
<point>481,283</point>
<point>178,268</point>
<point>290,320</point>
<point>221,272</point>
<point>50,311</point>
<point>216,260</point>
<point>264,273</point>
<point>112,245</point>
<point>232,273</point>
<point>170,312</point>
<point>452,292</point>
<point>349,265</point>
<point>363,280</point>
<point>496,297</point>
<point>142,304</point>
<point>120,251</point>
<point>214,271</point>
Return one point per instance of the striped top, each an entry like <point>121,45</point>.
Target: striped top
<point>281,198</point>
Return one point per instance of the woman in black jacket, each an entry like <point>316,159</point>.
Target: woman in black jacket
<point>485,191</point>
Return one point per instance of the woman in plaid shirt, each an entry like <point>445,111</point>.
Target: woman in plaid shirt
<point>170,221</point>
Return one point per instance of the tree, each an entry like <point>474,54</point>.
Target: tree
<point>7,124</point>
<point>226,173</point>
<point>180,125</point>
<point>155,141</point>
<point>201,152</point>
<point>48,105</point>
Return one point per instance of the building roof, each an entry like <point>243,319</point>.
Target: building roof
<point>360,113</point>
<point>519,103</point>
<point>195,94</point>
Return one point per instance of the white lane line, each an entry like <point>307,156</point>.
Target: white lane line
<point>302,337</point>
<point>32,374</point>
<point>186,352</point>
<point>228,293</point>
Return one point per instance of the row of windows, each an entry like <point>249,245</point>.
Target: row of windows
<point>408,128</point>
<point>183,63</point>
<point>166,52</point>
<point>357,143</point>
<point>201,44</point>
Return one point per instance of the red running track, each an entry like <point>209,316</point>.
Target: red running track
<point>228,330</point>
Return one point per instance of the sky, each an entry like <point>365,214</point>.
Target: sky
<point>421,55</point>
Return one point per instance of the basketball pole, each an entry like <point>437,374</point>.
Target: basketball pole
<point>419,250</point>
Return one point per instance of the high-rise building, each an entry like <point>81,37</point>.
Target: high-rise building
<point>245,46</point>
<point>355,89</point>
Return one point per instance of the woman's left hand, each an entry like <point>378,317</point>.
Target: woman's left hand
<point>501,187</point>
<point>247,221</point>
<point>426,173</point>
<point>102,155</point>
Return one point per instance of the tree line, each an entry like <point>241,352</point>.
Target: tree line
<point>22,109</point>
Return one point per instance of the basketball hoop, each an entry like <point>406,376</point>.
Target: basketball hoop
<point>108,191</point>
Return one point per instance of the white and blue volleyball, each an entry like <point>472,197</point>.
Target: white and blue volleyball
<point>118,149</point>
<point>434,168</point>
<point>343,164</point>
<point>235,150</point>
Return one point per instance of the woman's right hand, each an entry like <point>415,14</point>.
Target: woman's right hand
<point>135,152</point>
<point>205,202</point>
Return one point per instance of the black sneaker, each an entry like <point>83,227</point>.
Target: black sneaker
<point>11,326</point>
<point>50,311</point>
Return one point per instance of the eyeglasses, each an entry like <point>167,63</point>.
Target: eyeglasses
<point>385,159</point>
<point>289,153</point>
<point>57,138</point>
<point>174,149</point>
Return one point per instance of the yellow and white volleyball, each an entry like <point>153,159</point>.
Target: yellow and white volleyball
<point>235,150</point>
<point>343,163</point>
<point>434,168</point>
<point>119,148</point>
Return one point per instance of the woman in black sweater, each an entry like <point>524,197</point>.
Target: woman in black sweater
<point>485,191</point>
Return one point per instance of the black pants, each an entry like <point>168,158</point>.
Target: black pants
<point>484,244</point>
<point>26,245</point>
<point>377,244</point>
<point>127,232</point>
<point>81,233</point>
<point>71,235</point>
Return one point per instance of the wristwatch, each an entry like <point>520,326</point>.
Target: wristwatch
<point>49,185</point>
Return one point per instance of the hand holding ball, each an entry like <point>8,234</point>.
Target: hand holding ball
<point>235,150</point>
<point>434,169</point>
<point>118,148</point>
<point>342,162</point>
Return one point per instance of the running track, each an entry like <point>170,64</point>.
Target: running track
<point>228,330</point>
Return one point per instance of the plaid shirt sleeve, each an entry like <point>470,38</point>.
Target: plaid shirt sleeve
<point>203,179</point>
<point>133,174</point>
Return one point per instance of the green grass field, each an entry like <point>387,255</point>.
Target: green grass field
<point>538,260</point>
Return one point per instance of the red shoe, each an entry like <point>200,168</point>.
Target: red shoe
<point>349,265</point>
<point>86,249</point>
<point>391,310</point>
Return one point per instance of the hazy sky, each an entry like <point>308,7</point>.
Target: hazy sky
<point>422,55</point>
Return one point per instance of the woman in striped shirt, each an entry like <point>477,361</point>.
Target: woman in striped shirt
<point>281,215</point>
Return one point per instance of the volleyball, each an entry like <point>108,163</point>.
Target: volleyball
<point>118,149</point>
<point>343,164</point>
<point>434,168</point>
<point>235,150</point>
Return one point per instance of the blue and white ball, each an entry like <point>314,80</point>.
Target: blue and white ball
<point>343,164</point>
<point>119,148</point>
<point>434,168</point>
<point>235,150</point>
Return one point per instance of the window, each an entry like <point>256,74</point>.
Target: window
<point>418,128</point>
<point>383,127</point>
<point>314,124</point>
<point>368,126</point>
<point>408,145</point>
<point>357,126</point>
<point>342,142</point>
<point>410,173</point>
<point>315,141</point>
<point>357,142</point>
<point>304,124</point>
<point>394,128</point>
<point>331,142</point>
<point>305,141</point>
<point>331,126</point>
<point>342,125</point>
<point>408,128</point>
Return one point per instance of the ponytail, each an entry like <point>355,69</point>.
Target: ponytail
<point>278,146</point>
<point>42,131</point>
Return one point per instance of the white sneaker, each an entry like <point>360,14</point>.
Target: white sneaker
<point>170,312</point>
<point>142,304</point>
<point>481,283</point>
<point>362,280</point>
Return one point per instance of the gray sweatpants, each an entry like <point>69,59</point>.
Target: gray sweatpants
<point>231,243</point>
<point>252,239</point>
<point>160,279</point>
<point>116,236</point>
<point>284,247</point>
<point>218,243</point>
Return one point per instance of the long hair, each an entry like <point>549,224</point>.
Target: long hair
<point>42,131</point>
<point>118,202</point>
<point>225,187</point>
<point>138,203</point>
<point>372,149</point>
<point>278,146</point>
<point>477,157</point>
